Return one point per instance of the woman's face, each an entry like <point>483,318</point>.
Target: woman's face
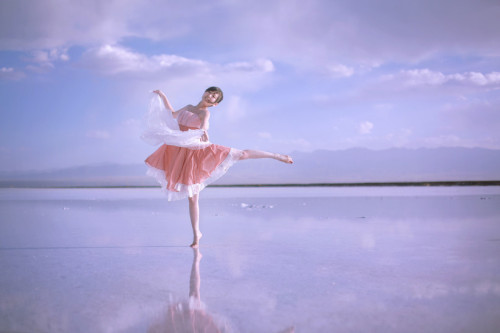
<point>210,97</point>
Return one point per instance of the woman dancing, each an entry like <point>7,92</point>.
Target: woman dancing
<point>187,161</point>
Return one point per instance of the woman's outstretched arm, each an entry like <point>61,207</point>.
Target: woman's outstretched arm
<point>166,102</point>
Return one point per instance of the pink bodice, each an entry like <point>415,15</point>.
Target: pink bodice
<point>188,119</point>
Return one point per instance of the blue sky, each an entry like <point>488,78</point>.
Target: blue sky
<point>76,76</point>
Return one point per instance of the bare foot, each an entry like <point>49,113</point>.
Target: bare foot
<point>196,241</point>
<point>283,158</point>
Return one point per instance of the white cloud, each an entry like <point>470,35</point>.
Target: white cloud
<point>28,25</point>
<point>115,59</point>
<point>260,65</point>
<point>365,127</point>
<point>44,56</point>
<point>340,70</point>
<point>9,73</point>
<point>427,77</point>
<point>482,79</point>
<point>423,76</point>
<point>42,61</point>
<point>303,33</point>
<point>110,59</point>
<point>169,60</point>
<point>313,33</point>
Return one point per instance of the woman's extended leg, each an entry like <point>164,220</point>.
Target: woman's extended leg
<point>250,154</point>
<point>194,214</point>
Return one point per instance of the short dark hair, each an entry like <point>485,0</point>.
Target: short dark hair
<point>219,90</point>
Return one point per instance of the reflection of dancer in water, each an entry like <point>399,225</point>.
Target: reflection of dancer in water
<point>191,316</point>
<point>187,161</point>
<point>187,317</point>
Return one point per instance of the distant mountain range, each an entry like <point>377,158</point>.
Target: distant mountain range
<point>321,166</point>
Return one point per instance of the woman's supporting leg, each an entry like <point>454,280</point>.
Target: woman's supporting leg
<point>194,214</point>
<point>251,154</point>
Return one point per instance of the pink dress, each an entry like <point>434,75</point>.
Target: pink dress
<point>183,172</point>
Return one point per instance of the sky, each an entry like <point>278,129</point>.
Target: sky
<point>76,76</point>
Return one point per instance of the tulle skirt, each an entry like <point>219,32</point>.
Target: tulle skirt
<point>183,172</point>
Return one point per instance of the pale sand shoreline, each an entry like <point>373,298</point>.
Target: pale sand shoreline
<point>317,260</point>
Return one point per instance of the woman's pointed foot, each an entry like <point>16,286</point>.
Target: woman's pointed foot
<point>284,158</point>
<point>196,241</point>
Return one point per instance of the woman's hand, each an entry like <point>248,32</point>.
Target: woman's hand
<point>204,137</point>
<point>165,100</point>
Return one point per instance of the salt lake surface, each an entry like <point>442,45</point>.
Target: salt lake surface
<point>395,259</point>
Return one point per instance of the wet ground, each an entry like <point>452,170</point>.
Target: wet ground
<point>271,260</point>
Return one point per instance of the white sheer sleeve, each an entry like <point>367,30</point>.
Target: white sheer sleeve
<point>161,127</point>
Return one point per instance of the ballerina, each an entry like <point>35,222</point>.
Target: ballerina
<point>187,161</point>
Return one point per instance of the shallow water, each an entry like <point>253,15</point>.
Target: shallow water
<point>274,259</point>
